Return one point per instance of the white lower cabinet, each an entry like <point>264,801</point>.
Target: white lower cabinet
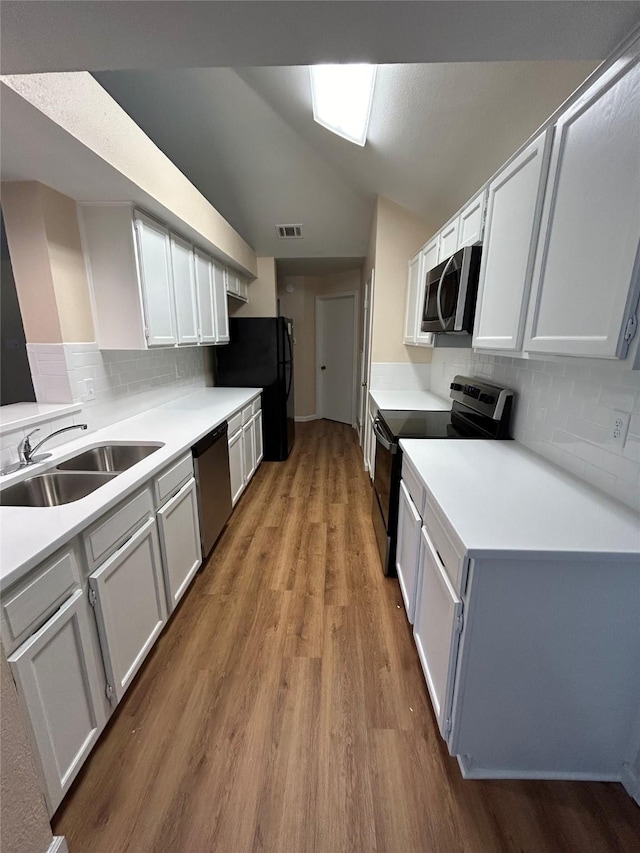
<point>179,531</point>
<point>236,466</point>
<point>249,449</point>
<point>437,626</point>
<point>130,604</point>
<point>59,680</point>
<point>409,526</point>
<point>259,439</point>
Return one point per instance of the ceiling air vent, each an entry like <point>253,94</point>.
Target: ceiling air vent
<point>288,232</point>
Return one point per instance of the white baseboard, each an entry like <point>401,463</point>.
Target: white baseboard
<point>469,771</point>
<point>58,845</point>
<point>631,782</point>
<point>303,418</point>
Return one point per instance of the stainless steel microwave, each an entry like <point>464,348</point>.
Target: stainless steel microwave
<point>450,293</point>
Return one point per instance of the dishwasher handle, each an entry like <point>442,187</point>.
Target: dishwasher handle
<point>210,439</point>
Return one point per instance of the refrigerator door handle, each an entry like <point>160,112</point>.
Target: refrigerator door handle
<point>290,382</point>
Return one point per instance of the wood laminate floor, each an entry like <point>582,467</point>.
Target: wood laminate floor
<point>284,709</point>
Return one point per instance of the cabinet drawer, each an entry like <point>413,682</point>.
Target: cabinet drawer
<point>413,485</point>
<point>105,537</point>
<point>235,422</point>
<point>173,478</point>
<point>255,406</point>
<point>452,561</point>
<point>31,603</point>
<point>247,413</point>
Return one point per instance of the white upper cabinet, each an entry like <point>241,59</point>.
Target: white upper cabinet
<point>471,225</point>
<point>411,312</point>
<point>220,303</point>
<point>154,264</point>
<point>449,240</point>
<point>184,288</point>
<point>513,218</point>
<point>429,260</point>
<point>204,290</point>
<point>585,284</point>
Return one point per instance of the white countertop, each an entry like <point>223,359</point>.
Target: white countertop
<point>30,534</point>
<point>499,497</point>
<point>419,401</point>
<point>18,415</point>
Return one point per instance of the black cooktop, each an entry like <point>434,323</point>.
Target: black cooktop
<point>411,424</point>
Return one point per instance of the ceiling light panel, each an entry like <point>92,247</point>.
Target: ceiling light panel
<point>341,97</point>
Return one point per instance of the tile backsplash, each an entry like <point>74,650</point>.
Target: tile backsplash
<point>564,410</point>
<point>392,376</point>
<point>124,383</point>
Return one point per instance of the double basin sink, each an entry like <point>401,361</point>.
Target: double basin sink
<point>76,477</point>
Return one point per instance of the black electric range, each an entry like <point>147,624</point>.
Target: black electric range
<point>480,410</point>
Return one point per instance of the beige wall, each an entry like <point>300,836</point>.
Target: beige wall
<point>24,823</point>
<point>48,265</point>
<point>397,234</point>
<point>301,307</point>
<point>263,300</point>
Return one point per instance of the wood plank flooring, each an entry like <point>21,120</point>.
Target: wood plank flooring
<point>284,709</point>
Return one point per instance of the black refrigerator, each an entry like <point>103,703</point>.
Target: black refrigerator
<point>260,355</point>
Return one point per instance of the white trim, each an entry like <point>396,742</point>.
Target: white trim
<point>354,392</point>
<point>58,845</point>
<point>631,781</point>
<point>303,418</point>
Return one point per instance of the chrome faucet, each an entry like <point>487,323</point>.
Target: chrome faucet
<point>27,454</point>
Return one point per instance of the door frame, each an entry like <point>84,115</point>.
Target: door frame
<point>365,365</point>
<point>354,395</point>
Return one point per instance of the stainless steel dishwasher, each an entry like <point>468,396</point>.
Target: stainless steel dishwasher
<point>211,463</point>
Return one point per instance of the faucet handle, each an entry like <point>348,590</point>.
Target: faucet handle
<point>24,448</point>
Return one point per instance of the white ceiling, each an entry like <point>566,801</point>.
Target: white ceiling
<point>245,137</point>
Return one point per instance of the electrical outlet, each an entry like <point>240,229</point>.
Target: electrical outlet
<point>619,428</point>
<point>89,389</point>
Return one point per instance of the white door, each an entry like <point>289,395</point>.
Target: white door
<point>220,303</point>
<point>60,685</point>
<point>586,281</point>
<point>156,282</point>
<point>511,233</point>
<point>335,368</point>
<point>236,466</point>
<point>205,298</point>
<point>131,606</point>
<point>429,257</point>
<point>411,309</point>
<point>448,240</point>
<point>472,221</point>
<point>184,289</point>
<point>409,526</point>
<point>249,449</point>
<point>258,437</point>
<point>436,629</point>
<point>179,531</point>
<point>365,363</point>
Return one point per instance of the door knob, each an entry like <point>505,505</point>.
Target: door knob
<point>364,384</point>
<point>323,367</point>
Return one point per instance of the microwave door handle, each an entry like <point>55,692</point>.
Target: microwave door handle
<point>382,439</point>
<point>438,305</point>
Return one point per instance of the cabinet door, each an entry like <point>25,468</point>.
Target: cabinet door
<point>232,281</point>
<point>411,311</point>
<point>429,256</point>
<point>586,280</point>
<point>258,436</point>
<point>449,240</point>
<point>409,525</point>
<point>59,682</point>
<point>156,282</point>
<point>472,221</point>
<point>205,298</point>
<point>236,466</point>
<point>184,288</point>
<point>511,233</point>
<point>130,605</point>
<point>220,303</point>
<point>179,531</point>
<point>249,449</point>
<point>243,289</point>
<point>436,629</point>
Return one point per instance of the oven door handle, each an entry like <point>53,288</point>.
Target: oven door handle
<point>443,323</point>
<point>384,441</point>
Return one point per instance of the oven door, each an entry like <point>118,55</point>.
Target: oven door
<point>381,504</point>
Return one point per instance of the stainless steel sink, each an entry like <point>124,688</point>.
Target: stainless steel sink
<point>53,489</point>
<point>109,457</point>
